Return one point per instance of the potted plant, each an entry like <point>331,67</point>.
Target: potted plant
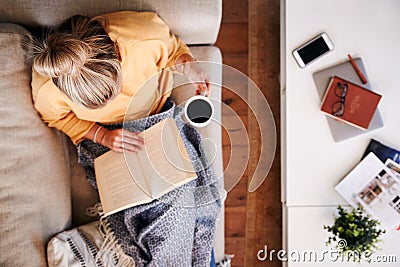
<point>354,231</point>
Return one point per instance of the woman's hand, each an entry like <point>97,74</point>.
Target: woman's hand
<point>121,140</point>
<point>194,73</point>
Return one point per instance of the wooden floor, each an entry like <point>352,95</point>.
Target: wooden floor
<point>249,41</point>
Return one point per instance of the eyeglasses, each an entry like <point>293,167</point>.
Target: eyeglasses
<point>338,107</point>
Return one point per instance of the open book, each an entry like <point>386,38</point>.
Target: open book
<point>376,187</point>
<point>128,179</point>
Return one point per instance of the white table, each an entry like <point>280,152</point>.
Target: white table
<point>312,163</point>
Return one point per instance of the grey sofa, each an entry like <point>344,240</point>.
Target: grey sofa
<point>42,189</point>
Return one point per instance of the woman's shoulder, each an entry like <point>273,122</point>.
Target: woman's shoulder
<point>133,25</point>
<point>130,15</point>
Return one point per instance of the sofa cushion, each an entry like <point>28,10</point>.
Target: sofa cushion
<point>76,247</point>
<point>34,180</point>
<point>83,194</point>
<point>195,22</point>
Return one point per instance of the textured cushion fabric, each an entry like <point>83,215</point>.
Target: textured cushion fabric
<point>34,181</point>
<point>198,21</point>
<point>76,247</point>
<point>211,61</point>
<point>195,22</point>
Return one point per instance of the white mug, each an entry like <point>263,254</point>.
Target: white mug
<point>199,110</point>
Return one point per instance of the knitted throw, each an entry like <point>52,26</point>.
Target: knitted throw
<point>174,230</point>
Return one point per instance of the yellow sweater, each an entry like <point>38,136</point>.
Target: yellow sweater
<point>146,46</point>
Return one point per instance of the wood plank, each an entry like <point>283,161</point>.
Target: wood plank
<point>234,130</point>
<point>234,121</point>
<point>237,155</point>
<point>233,38</point>
<point>238,195</point>
<point>235,86</point>
<point>232,182</point>
<point>235,102</point>
<point>235,222</point>
<point>237,60</point>
<point>264,206</point>
<point>236,246</point>
<point>235,137</point>
<point>234,11</point>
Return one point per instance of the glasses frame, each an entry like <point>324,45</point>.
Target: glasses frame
<point>338,108</point>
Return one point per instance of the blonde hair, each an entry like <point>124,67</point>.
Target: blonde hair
<point>82,61</point>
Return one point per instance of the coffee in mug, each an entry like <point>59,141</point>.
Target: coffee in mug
<point>199,110</point>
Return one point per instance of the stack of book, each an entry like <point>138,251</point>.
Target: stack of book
<point>348,100</point>
<point>350,103</point>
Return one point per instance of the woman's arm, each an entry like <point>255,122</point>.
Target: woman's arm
<point>189,66</point>
<point>54,110</point>
<point>117,140</point>
<point>140,26</point>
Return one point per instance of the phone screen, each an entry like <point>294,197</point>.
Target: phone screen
<point>313,50</point>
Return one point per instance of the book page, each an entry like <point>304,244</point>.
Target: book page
<point>165,160</point>
<point>118,188</point>
<point>358,178</point>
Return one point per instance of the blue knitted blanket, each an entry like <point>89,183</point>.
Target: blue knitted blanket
<point>176,229</point>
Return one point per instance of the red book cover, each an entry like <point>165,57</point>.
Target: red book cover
<point>349,102</point>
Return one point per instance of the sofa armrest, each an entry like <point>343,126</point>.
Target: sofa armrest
<point>211,61</point>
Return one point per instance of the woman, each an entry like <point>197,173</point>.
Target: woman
<point>85,75</point>
<point>89,70</point>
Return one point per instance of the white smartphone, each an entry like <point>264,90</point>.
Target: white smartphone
<point>313,49</point>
